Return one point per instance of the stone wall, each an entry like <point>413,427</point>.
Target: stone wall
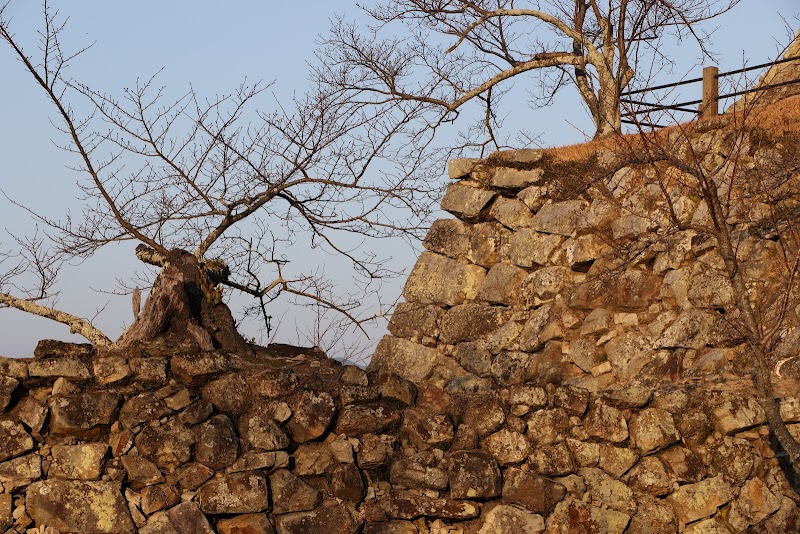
<point>560,365</point>
<point>579,293</point>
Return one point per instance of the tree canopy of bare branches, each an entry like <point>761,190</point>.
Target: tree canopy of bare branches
<point>231,184</point>
<point>445,54</point>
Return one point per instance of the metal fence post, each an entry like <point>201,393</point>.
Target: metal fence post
<point>710,106</point>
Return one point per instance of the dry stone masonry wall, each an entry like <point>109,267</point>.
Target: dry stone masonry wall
<point>546,373</point>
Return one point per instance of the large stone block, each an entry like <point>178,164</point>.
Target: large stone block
<point>82,414</point>
<point>629,290</point>
<point>409,360</point>
<point>415,321</point>
<point>503,285</point>
<point>512,213</point>
<point>515,179</point>
<point>467,203</point>
<point>469,322</point>
<point>76,506</point>
<point>238,493</point>
<point>562,218</point>
<point>529,248</point>
<point>442,281</point>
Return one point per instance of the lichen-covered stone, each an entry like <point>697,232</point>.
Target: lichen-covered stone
<point>473,475</point>
<point>652,517</point>
<point>261,432</point>
<point>312,413</point>
<point>412,474</point>
<point>649,476</point>
<point>185,517</point>
<point>324,520</point>
<point>407,505</point>
<point>561,218</point>
<point>471,321</point>
<point>502,285</point>
<point>607,423</point>
<point>246,524</point>
<point>81,415</point>
<point>71,368</point>
<point>14,440</point>
<point>529,248</point>
<point>511,213</point>
<point>427,430</point>
<point>696,501</point>
<point>79,506</point>
<point>230,394</point>
<point>237,493</point>
<point>142,408</point>
<point>7,387</point>
<point>81,462</point>
<point>291,494</point>
<point>142,472</point>
<point>465,202</point>
<point>653,429</point>
<point>536,493</point>
<point>216,444</point>
<point>515,179</point>
<point>442,281</point>
<point>370,418</point>
<point>411,361</point>
<point>507,447</point>
<point>504,519</point>
<point>168,446</point>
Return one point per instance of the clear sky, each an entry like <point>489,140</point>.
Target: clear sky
<point>215,46</point>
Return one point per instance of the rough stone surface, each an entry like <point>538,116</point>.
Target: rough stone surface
<point>78,506</point>
<point>238,493</point>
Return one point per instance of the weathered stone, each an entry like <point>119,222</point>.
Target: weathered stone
<point>168,446</point>
<point>409,360</point>
<point>196,412</point>
<point>629,290</point>
<point>21,471</point>
<point>375,451</point>
<point>198,368</point>
<point>562,218</point>
<point>652,517</point>
<point>460,167</point>
<point>6,511</point>
<point>607,423</point>
<point>324,520</point>
<point>690,330</point>
<point>53,348</point>
<point>291,494</point>
<point>427,430</point>
<point>754,504</point>
<point>467,203</point>
<point>260,432</point>
<point>696,501</point>
<point>407,505</point>
<point>392,386</point>
<point>628,354</point>
<point>529,248</point>
<point>684,464</point>
<point>371,418</point>
<point>442,281</point>
<point>390,527</point>
<point>548,426</point>
<point>710,290</point>
<point>238,493</point>
<point>613,493</point>
<point>653,429</point>
<point>534,492</point>
<point>253,461</point>
<point>312,412</point>
<point>82,414</point>
<point>540,328</point>
<point>649,476</point>
<point>215,443</point>
<point>598,321</point>
<point>149,370</point>
<point>448,237</point>
<point>7,387</point>
<point>616,461</point>
<point>313,459</point>
<point>487,242</point>
<point>708,526</point>
<point>474,357</point>
<point>515,179</point>
<point>507,447</point>
<point>737,413</point>
<point>230,394</point>
<point>573,516</point>
<point>347,483</point>
<point>584,353</point>
<point>631,396</point>
<point>502,285</point>
<point>544,285</point>
<point>513,367</point>
<point>473,475</point>
<point>734,459</point>
<point>573,400</point>
<point>142,408</point>
<point>245,524</point>
<point>585,453</point>
<point>81,462</point>
<point>13,367</point>
<point>504,519</point>
<point>71,368</point>
<point>110,369</point>
<point>78,506</point>
<point>511,213</point>
<point>415,322</point>
<point>31,413</point>
<point>468,322</point>
<point>159,497</point>
<point>534,196</point>
<point>180,519</point>
<point>413,474</point>
<point>142,472</point>
<point>552,460</point>
<point>273,384</point>
<point>14,441</point>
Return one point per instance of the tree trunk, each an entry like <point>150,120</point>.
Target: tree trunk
<point>608,120</point>
<point>184,307</point>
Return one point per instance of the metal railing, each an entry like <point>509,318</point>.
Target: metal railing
<point>708,105</point>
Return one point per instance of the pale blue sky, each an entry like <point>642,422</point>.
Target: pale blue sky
<point>215,46</point>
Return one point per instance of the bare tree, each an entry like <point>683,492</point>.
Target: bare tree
<point>234,187</point>
<point>453,52</point>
